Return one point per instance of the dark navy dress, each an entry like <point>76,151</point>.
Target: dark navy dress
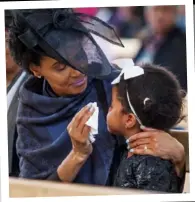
<point>147,172</point>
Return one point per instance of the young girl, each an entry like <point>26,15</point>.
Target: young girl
<point>144,96</point>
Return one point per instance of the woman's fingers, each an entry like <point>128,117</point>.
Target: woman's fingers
<point>139,136</point>
<point>161,144</point>
<point>77,118</point>
<point>147,129</point>
<point>79,131</point>
<point>85,132</point>
<point>143,150</point>
<point>84,136</point>
<point>77,127</point>
<point>84,119</point>
<point>146,133</point>
<point>69,127</point>
<point>139,142</point>
<point>70,124</point>
<point>80,115</point>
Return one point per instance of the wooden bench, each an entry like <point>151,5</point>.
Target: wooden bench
<point>31,188</point>
<point>183,138</point>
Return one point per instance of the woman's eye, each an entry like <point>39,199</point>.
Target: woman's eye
<point>60,67</point>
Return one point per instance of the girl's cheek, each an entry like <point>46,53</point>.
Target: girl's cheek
<point>109,115</point>
<point>110,108</point>
<point>109,121</point>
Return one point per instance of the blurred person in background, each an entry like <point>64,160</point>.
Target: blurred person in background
<point>15,78</point>
<point>12,69</point>
<point>164,43</point>
<point>181,18</point>
<point>90,11</point>
<point>127,21</point>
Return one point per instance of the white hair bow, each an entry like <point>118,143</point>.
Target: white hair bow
<point>130,71</point>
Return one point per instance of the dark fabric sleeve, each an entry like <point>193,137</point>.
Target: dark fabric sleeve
<point>54,177</point>
<point>154,173</point>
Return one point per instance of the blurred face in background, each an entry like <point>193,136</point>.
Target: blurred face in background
<point>181,10</point>
<point>126,13</point>
<point>10,64</point>
<point>161,18</point>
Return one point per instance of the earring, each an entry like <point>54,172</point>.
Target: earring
<point>39,76</point>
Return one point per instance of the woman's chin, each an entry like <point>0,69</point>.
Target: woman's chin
<point>78,90</point>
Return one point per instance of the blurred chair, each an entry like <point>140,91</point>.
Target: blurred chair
<point>183,137</point>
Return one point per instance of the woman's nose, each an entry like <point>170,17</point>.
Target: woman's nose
<point>76,73</point>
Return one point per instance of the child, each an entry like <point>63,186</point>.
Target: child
<point>144,96</point>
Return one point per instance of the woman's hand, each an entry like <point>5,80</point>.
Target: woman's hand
<point>81,146</point>
<point>158,143</point>
<point>79,131</point>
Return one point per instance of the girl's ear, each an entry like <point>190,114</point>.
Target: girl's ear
<point>130,121</point>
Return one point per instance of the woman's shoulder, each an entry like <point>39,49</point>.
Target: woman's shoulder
<point>31,96</point>
<point>32,85</point>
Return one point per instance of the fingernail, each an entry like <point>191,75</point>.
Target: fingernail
<point>142,127</point>
<point>89,105</point>
<point>128,147</point>
<point>91,108</point>
<point>127,141</point>
<point>131,150</point>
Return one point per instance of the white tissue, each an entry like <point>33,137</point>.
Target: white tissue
<point>93,123</point>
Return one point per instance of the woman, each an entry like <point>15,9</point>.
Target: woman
<point>56,47</point>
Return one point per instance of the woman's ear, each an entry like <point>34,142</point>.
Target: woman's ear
<point>130,121</point>
<point>35,70</point>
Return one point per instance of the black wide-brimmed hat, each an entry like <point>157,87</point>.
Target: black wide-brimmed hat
<point>67,37</point>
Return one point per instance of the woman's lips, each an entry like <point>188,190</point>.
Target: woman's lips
<point>79,82</point>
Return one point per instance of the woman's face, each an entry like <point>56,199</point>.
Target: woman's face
<point>63,79</point>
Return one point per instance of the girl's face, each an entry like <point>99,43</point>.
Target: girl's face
<point>119,122</point>
<point>115,117</point>
<point>63,79</point>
